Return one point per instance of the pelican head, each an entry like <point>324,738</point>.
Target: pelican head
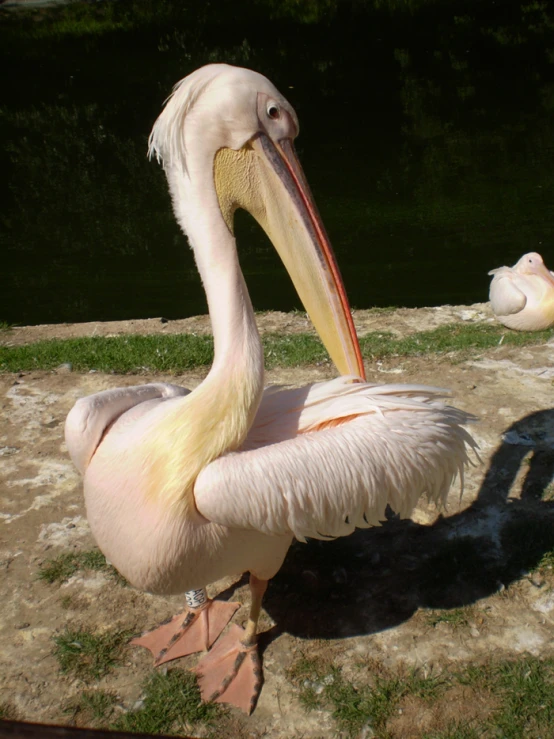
<point>533,264</point>
<point>225,138</point>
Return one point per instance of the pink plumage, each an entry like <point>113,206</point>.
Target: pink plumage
<point>183,488</point>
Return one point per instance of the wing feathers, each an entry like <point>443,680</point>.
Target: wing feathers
<point>506,298</point>
<point>404,443</point>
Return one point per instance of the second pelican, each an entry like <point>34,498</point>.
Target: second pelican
<point>522,296</point>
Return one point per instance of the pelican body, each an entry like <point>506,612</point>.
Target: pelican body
<point>522,296</point>
<point>183,488</point>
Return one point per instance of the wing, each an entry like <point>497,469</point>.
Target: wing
<point>354,454</point>
<point>506,298</point>
<point>91,416</point>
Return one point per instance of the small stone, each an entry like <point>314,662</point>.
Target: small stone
<point>474,632</point>
<point>64,368</point>
<point>164,320</point>
<point>24,625</point>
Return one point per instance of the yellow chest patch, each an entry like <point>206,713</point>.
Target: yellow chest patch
<point>200,428</point>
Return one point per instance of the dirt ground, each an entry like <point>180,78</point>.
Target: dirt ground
<point>363,596</point>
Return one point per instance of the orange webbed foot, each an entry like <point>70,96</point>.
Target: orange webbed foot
<point>194,630</point>
<point>231,672</point>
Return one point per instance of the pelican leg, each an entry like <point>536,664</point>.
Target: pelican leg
<point>194,630</point>
<point>232,671</point>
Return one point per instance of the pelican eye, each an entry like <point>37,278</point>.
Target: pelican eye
<point>273,111</point>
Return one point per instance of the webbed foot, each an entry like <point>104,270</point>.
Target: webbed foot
<point>231,672</point>
<point>194,630</point>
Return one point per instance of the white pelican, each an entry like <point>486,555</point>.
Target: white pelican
<point>183,488</point>
<point>522,296</point>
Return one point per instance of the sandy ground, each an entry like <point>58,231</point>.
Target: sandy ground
<point>363,595</point>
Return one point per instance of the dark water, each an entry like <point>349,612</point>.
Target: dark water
<point>427,134</point>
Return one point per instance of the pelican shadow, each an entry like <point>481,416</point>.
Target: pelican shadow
<point>377,578</point>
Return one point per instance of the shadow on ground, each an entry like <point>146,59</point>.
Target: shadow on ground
<point>377,578</point>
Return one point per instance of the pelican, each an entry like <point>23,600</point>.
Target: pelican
<point>183,488</point>
<point>522,296</point>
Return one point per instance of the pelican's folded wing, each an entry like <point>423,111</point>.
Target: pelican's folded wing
<point>506,298</point>
<point>326,482</point>
<point>91,416</point>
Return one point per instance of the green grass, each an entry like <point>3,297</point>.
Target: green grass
<point>174,354</point>
<point>61,568</point>
<point>456,617</point>
<point>528,692</point>
<point>516,698</point>
<point>89,656</point>
<point>459,338</point>
<point>122,354</point>
<point>322,685</point>
<point>170,702</point>
<point>92,707</point>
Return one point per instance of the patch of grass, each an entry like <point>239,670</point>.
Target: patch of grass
<point>158,353</point>
<point>515,697</point>
<point>527,688</point>
<point>171,702</point>
<point>5,326</point>
<point>463,339</point>
<point>122,354</point>
<point>426,687</point>
<point>293,350</point>
<point>92,707</point>
<point>475,676</point>
<point>322,685</point>
<point>455,617</point>
<point>61,568</point>
<point>89,656</point>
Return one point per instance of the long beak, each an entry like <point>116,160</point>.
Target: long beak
<point>285,209</point>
